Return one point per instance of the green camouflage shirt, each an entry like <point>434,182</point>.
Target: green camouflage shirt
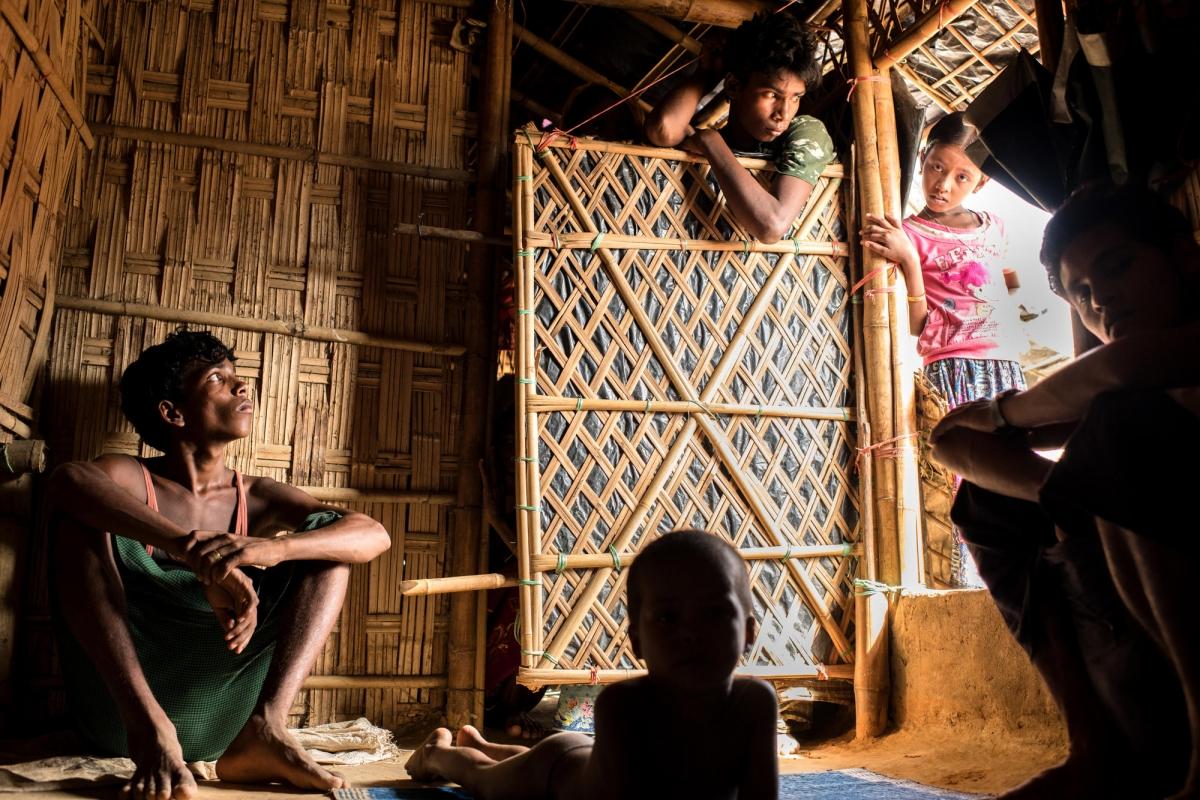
<point>803,151</point>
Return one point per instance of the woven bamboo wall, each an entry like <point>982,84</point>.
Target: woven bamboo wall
<point>253,158</point>
<point>674,373</point>
<point>42,137</point>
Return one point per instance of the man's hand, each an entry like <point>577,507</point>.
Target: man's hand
<point>236,606</point>
<point>885,236</point>
<point>215,555</point>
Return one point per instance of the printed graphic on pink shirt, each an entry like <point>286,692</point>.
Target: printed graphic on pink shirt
<point>964,287</point>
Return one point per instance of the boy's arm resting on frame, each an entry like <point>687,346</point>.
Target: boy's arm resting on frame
<point>1001,464</point>
<point>766,215</point>
<point>99,494</point>
<point>671,120</point>
<point>760,778</point>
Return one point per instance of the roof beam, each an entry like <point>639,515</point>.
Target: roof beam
<point>920,32</point>
<point>725,13</point>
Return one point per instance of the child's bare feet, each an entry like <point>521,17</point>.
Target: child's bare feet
<point>524,726</point>
<point>160,772</point>
<point>416,766</point>
<point>264,752</point>
<point>469,736</point>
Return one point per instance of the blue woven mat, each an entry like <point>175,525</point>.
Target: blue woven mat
<point>849,784</point>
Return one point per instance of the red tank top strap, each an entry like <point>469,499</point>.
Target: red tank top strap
<point>151,497</point>
<point>242,525</point>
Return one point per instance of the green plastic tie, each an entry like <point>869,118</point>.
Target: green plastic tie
<point>579,404</point>
<point>524,177</point>
<point>596,242</point>
<point>787,554</point>
<point>562,563</point>
<point>616,557</point>
<point>528,253</point>
<point>528,582</point>
<point>526,381</point>
<point>529,508</point>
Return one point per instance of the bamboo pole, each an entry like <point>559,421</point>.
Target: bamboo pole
<point>939,16</point>
<point>724,13</point>
<point>877,352</point>
<point>457,583</point>
<point>375,682</point>
<point>464,700</point>
<point>582,600</point>
<point>338,494</point>
<point>452,234</point>
<point>549,403</point>
<point>915,80</point>
<point>535,678</point>
<point>582,561</point>
<point>297,328</point>
<point>278,151</point>
<point>615,241</point>
<point>866,495</point>
<point>910,549</point>
<point>670,154</point>
<point>667,30</point>
<point>872,680</point>
<point>17,458</point>
<point>574,65</point>
<point>1050,29</point>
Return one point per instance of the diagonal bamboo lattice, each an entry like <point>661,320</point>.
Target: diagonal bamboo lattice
<point>677,374</point>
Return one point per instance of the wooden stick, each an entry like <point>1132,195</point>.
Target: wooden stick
<point>457,583</point>
<point>464,700</point>
<point>915,80</point>
<point>725,13</point>
<point>536,678</point>
<point>921,31</point>
<point>431,232</point>
<point>574,65</point>
<point>337,494</point>
<point>297,329</point>
<point>615,241</point>
<point>528,523</point>
<point>1050,29</point>
<point>375,682</point>
<point>549,403</point>
<point>278,151</point>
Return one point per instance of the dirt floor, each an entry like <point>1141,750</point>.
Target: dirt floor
<point>969,761</point>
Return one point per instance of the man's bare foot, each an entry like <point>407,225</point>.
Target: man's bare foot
<point>160,772</point>
<point>264,752</point>
<point>416,767</point>
<point>525,727</point>
<point>469,736</point>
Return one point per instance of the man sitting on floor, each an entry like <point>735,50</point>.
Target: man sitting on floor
<point>1091,559</point>
<point>187,621</point>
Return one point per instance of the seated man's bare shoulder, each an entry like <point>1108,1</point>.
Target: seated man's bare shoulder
<point>123,470</point>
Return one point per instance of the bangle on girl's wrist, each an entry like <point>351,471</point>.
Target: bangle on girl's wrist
<point>999,420</point>
<point>916,298</point>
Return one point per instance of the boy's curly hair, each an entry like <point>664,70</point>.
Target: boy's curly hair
<point>772,42</point>
<point>159,373</point>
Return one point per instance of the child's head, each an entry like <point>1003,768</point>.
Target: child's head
<point>690,609</point>
<point>188,379</point>
<point>771,62</point>
<point>1125,259</point>
<point>948,176</point>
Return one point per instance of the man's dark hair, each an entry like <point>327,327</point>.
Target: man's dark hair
<point>159,374</point>
<point>772,42</point>
<point>1144,215</point>
<point>670,548</point>
<point>952,129</point>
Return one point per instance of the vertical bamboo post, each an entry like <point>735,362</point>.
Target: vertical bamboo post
<point>464,701</point>
<point>870,666</point>
<point>910,548</point>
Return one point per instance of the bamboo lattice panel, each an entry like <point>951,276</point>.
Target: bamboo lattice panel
<point>42,134</point>
<point>954,65</point>
<point>253,160</point>
<point>666,315</point>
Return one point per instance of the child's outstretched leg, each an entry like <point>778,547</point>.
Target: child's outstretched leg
<point>469,736</point>
<point>553,768</point>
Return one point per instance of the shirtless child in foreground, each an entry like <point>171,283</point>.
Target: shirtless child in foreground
<point>179,640</point>
<point>690,620</point>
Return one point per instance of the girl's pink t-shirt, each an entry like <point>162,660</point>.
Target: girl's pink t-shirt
<point>964,287</point>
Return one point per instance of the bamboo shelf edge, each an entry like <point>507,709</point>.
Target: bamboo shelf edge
<point>558,403</point>
<point>375,682</point>
<point>534,678</point>
<point>296,329</point>
<point>340,494</point>
<point>613,241</point>
<point>549,563</point>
